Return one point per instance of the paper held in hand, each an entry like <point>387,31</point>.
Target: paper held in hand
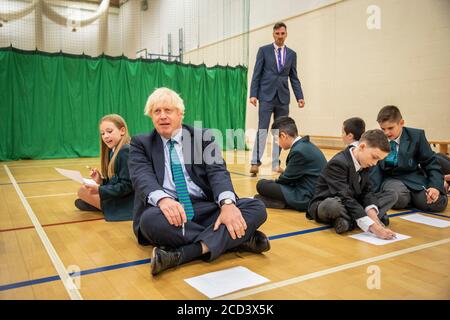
<point>76,176</point>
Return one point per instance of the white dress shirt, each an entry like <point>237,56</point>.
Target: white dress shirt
<point>283,54</point>
<point>169,189</point>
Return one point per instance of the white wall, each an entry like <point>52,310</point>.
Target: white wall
<point>348,70</point>
<point>345,68</point>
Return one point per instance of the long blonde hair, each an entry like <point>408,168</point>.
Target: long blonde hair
<point>107,165</point>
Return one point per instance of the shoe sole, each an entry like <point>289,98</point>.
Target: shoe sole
<point>341,227</point>
<point>152,263</point>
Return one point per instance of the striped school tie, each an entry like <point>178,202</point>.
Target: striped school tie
<point>391,159</point>
<point>180,181</point>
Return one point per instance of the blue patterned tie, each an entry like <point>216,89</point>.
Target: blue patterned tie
<point>391,160</point>
<point>180,181</point>
<point>280,66</point>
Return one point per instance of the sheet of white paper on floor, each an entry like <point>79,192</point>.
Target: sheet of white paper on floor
<point>372,239</point>
<point>219,283</point>
<point>439,223</point>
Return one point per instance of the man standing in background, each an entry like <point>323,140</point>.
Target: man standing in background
<point>275,63</point>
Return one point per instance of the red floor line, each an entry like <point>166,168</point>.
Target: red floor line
<point>51,224</point>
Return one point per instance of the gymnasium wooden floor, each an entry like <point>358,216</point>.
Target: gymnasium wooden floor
<point>307,260</point>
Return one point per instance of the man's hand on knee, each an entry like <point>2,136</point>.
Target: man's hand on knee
<point>173,211</point>
<point>232,218</point>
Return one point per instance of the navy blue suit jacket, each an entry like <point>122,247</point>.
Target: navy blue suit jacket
<point>267,81</point>
<point>146,165</point>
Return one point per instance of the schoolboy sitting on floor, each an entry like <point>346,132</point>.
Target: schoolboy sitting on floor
<point>343,195</point>
<point>294,187</point>
<point>352,129</point>
<point>411,169</point>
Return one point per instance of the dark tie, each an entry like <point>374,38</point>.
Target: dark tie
<point>391,160</point>
<point>280,65</point>
<point>180,181</point>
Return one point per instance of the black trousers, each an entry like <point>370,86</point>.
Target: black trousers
<point>270,189</point>
<point>155,228</point>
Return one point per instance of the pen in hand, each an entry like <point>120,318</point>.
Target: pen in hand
<point>182,223</point>
<point>101,176</point>
<point>427,192</point>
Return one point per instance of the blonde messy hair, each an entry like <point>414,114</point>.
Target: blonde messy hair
<point>163,94</point>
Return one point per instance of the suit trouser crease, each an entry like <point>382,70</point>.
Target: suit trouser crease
<point>264,114</point>
<point>157,230</point>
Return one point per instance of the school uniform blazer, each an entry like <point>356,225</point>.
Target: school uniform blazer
<point>116,194</point>
<point>267,81</point>
<point>304,164</point>
<point>146,165</point>
<point>340,179</point>
<point>417,164</point>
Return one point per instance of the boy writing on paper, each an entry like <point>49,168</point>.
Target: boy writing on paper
<point>343,194</point>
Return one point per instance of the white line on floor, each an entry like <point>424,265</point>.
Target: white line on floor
<point>322,273</point>
<point>72,290</point>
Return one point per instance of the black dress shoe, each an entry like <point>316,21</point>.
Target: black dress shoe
<point>254,170</point>
<point>341,225</point>
<point>84,206</point>
<point>270,203</point>
<point>385,220</point>
<point>164,259</point>
<point>258,243</point>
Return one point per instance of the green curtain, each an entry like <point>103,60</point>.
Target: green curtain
<point>50,104</point>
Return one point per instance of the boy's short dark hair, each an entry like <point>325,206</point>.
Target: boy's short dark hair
<point>355,126</point>
<point>279,25</point>
<point>286,125</point>
<point>376,139</point>
<point>389,113</point>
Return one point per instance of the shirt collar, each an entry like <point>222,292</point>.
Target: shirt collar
<point>296,139</point>
<point>355,162</point>
<point>398,138</point>
<point>177,137</point>
<point>276,47</point>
